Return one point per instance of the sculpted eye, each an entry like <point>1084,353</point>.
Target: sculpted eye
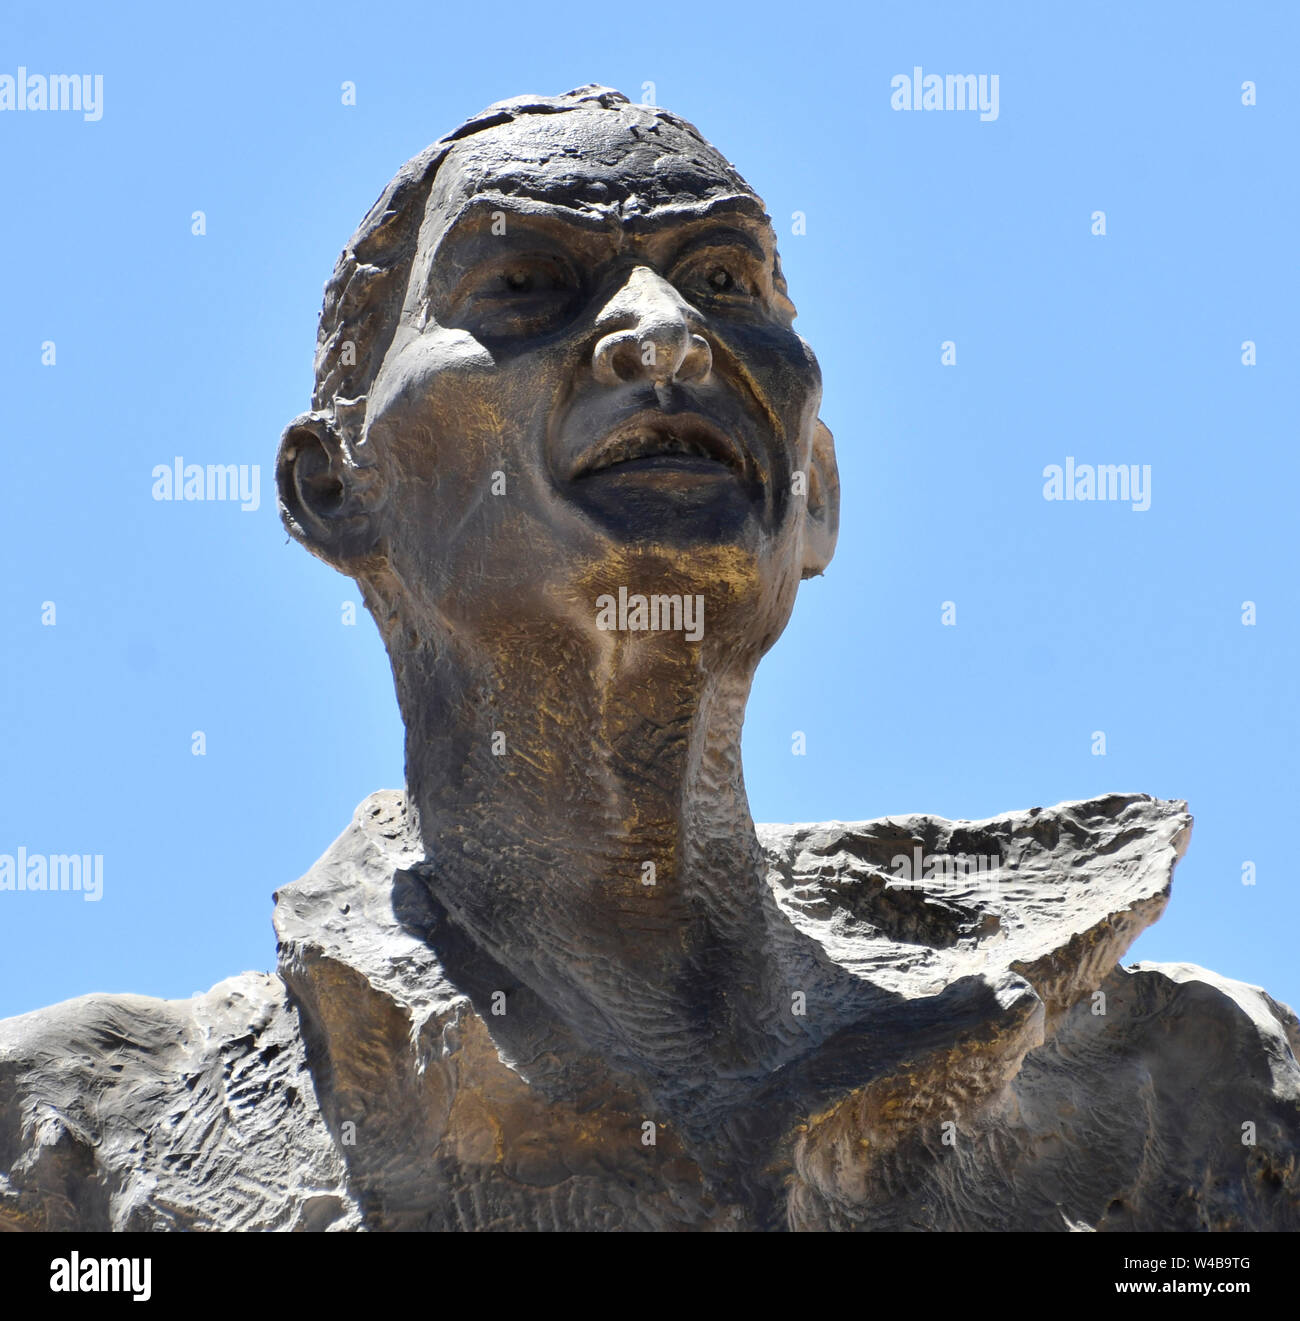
<point>518,280</point>
<point>719,279</point>
<point>538,276</point>
<point>516,295</point>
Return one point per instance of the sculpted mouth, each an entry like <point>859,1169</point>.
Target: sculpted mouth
<point>680,442</point>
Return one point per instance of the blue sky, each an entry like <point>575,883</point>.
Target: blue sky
<point>921,228</point>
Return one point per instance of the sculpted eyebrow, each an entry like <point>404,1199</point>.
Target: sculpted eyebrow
<point>477,218</point>
<point>715,236</point>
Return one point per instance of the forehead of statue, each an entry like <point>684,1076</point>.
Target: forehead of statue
<point>616,164</point>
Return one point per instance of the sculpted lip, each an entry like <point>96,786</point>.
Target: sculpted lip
<point>653,440</point>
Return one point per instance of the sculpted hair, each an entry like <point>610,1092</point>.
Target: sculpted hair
<point>363,299</point>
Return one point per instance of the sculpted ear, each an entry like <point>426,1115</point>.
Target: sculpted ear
<point>822,504</point>
<point>329,500</point>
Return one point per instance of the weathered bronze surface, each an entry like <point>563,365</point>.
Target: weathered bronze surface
<point>565,438</point>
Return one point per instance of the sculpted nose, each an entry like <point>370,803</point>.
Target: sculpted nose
<point>648,335</point>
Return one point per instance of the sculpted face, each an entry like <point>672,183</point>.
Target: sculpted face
<point>595,383</point>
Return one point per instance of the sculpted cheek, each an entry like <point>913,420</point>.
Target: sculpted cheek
<point>434,388</point>
<point>429,370</point>
<point>794,372</point>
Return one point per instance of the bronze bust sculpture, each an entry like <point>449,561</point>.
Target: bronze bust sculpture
<point>575,373</point>
<point>566,439</point>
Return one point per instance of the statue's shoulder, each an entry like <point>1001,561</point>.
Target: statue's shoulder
<point>129,1112</point>
<point>1182,1085</point>
<point>1057,894</point>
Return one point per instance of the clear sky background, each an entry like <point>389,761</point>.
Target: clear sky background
<point>921,228</point>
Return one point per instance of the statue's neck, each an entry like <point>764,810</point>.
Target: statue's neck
<point>587,826</point>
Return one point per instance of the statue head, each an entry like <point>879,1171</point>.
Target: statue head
<point>557,359</point>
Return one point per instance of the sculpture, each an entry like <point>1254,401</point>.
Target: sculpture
<point>538,420</point>
<point>565,438</point>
